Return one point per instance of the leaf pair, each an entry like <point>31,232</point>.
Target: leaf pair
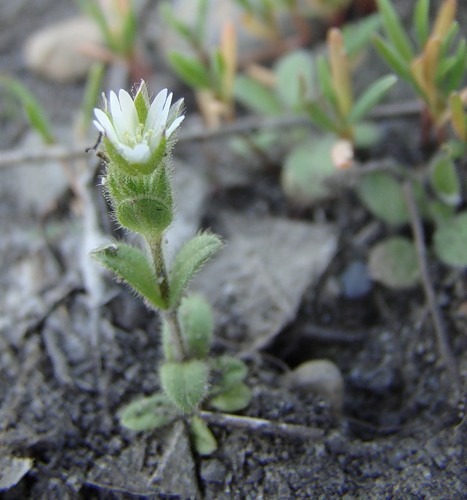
<point>132,266</point>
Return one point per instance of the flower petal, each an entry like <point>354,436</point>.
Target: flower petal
<point>138,154</point>
<point>118,118</point>
<point>155,110</point>
<point>106,125</point>
<point>165,111</point>
<point>129,111</point>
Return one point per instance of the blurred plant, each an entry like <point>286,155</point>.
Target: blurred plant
<point>210,74</point>
<point>118,24</point>
<point>431,65</point>
<point>33,109</point>
<point>138,139</point>
<point>341,113</point>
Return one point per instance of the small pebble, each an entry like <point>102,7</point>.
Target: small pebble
<point>56,51</point>
<point>321,377</point>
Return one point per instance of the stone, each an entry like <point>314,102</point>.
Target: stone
<point>321,377</point>
<point>56,51</point>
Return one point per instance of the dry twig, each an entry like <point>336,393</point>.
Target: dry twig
<point>438,323</point>
<point>262,425</point>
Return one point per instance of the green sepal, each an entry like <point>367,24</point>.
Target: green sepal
<point>372,95</point>
<point>189,260</point>
<point>148,413</point>
<point>132,266</point>
<point>142,204</point>
<point>202,438</point>
<point>142,103</point>
<point>117,161</point>
<point>185,383</point>
<point>196,324</point>
<point>235,398</point>
<point>144,215</point>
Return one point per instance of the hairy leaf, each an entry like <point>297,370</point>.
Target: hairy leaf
<point>132,266</point>
<point>189,260</point>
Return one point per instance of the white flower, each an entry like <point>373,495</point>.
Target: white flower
<point>136,141</point>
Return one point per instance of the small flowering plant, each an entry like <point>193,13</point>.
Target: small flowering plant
<point>138,136</point>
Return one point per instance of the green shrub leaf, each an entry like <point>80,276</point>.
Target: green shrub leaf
<point>190,70</point>
<point>383,196</point>
<point>294,78</point>
<point>394,30</point>
<point>256,97</point>
<point>444,180</point>
<point>450,241</point>
<point>371,97</point>
<point>393,262</point>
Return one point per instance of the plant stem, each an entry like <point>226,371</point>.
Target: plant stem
<point>169,315</point>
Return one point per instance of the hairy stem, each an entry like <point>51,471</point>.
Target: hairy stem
<point>170,316</point>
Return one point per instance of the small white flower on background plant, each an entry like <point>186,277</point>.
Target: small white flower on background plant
<point>136,133</point>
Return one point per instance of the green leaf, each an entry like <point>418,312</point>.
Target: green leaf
<point>421,21</point>
<point>371,97</point>
<point>181,28</point>
<point>366,134</point>
<point>307,171</point>
<point>203,440</point>
<point>185,383</point>
<point>197,325</point>
<point>450,241</point>
<point>256,97</point>
<point>393,59</point>
<point>445,180</point>
<point>34,111</point>
<point>235,398</point>
<point>321,118</point>
<point>393,262</point>
<point>325,82</point>
<point>395,31</point>
<point>383,196</point>
<point>229,370</point>
<point>132,266</point>
<point>189,260</point>
<point>358,35</point>
<point>294,78</point>
<point>190,70</point>
<point>145,414</point>
<point>456,71</point>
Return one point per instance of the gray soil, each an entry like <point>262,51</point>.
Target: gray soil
<point>66,367</point>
